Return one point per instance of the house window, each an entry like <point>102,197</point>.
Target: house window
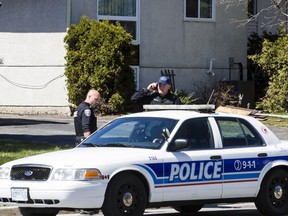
<point>200,10</point>
<point>126,12</point>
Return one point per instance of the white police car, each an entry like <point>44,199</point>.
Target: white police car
<point>182,159</point>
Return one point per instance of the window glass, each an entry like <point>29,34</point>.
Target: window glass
<point>129,26</point>
<point>117,7</point>
<point>123,11</point>
<point>197,132</point>
<point>206,9</point>
<point>230,128</point>
<point>192,8</point>
<point>134,132</point>
<point>237,132</point>
<point>199,9</point>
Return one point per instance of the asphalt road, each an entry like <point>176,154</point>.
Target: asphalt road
<point>244,209</point>
<point>58,130</point>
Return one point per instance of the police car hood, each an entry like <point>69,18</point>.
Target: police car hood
<point>283,142</point>
<point>88,157</point>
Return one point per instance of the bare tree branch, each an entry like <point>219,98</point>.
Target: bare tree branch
<point>272,15</point>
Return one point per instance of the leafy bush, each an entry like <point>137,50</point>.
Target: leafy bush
<point>98,56</point>
<point>255,72</point>
<point>114,105</point>
<point>186,97</point>
<point>274,62</point>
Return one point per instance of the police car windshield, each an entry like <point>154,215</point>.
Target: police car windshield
<point>136,132</point>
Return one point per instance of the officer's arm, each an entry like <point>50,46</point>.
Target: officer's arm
<point>85,122</point>
<point>143,96</point>
<point>87,134</point>
<point>139,95</point>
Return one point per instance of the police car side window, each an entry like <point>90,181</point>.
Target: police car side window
<point>197,132</point>
<point>237,133</point>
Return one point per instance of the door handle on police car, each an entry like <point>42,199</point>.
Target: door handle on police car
<point>216,157</point>
<point>262,155</point>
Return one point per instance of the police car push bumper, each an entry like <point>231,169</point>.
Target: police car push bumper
<point>76,194</point>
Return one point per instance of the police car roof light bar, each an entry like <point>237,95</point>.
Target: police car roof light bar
<point>203,108</point>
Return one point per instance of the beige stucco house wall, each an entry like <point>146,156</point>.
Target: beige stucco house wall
<point>187,47</point>
<point>32,49</point>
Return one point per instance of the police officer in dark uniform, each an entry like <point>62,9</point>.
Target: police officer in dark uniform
<point>156,93</point>
<point>85,121</point>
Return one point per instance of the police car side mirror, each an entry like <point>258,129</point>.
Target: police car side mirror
<point>165,133</point>
<point>179,144</point>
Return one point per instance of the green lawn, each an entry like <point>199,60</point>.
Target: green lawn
<point>11,150</point>
<point>276,122</point>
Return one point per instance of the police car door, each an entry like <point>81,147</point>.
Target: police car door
<point>243,149</point>
<point>194,173</point>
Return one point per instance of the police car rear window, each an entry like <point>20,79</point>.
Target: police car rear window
<point>237,132</point>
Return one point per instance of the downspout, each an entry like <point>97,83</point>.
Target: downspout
<point>68,15</point>
<point>210,70</point>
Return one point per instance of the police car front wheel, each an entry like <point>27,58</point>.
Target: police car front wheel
<point>125,195</point>
<point>273,196</point>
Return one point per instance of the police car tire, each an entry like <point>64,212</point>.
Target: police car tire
<point>188,209</point>
<point>38,211</point>
<point>120,186</point>
<point>266,202</point>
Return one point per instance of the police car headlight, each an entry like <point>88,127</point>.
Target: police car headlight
<point>4,172</point>
<point>76,174</point>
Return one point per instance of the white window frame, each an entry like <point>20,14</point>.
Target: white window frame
<point>125,18</point>
<point>212,19</point>
<point>136,76</point>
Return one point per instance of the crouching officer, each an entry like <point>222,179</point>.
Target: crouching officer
<point>85,121</point>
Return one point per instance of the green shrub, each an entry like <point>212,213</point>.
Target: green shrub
<point>186,97</point>
<point>98,56</point>
<point>273,60</point>
<point>255,72</point>
<point>114,105</point>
